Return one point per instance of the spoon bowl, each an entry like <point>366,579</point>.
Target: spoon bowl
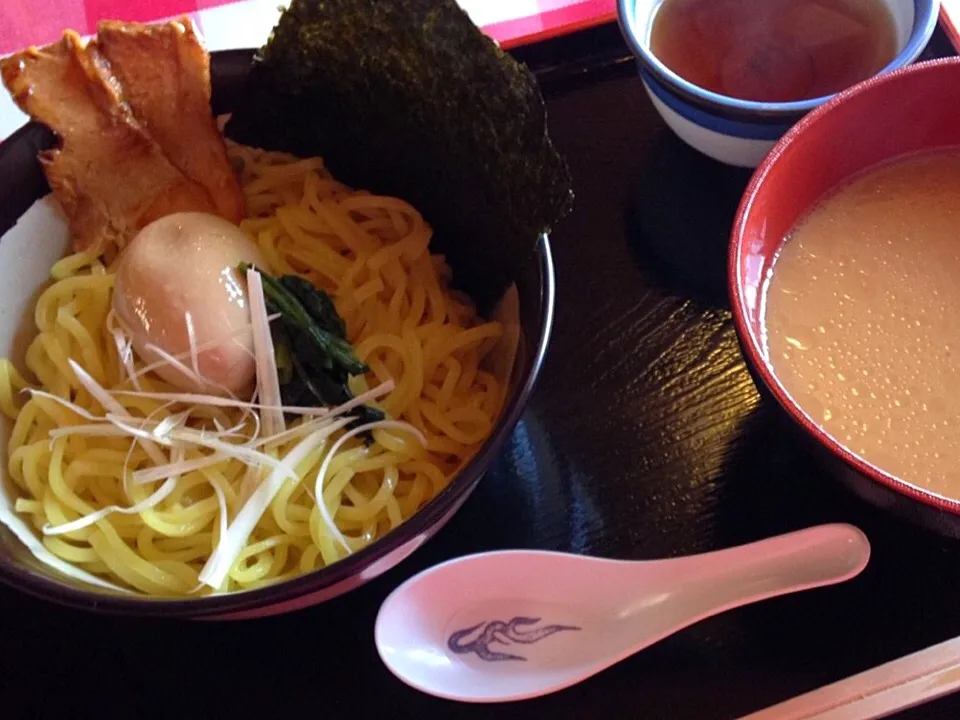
<point>517,624</point>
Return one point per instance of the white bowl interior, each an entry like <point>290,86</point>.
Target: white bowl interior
<point>27,252</point>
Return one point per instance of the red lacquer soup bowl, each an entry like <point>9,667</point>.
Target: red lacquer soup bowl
<point>910,110</point>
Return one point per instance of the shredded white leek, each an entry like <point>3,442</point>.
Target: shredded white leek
<point>73,407</point>
<point>175,437</point>
<point>232,543</point>
<point>200,348</point>
<point>106,428</point>
<point>92,430</point>
<point>169,423</point>
<point>192,342</point>
<point>321,473</point>
<point>268,382</point>
<point>195,377</point>
<point>110,403</point>
<point>126,461</point>
<point>148,475</point>
<point>134,427</point>
<point>223,524</point>
<point>251,477</point>
<point>173,432</point>
<point>152,501</point>
<point>240,452</point>
<point>217,401</point>
<point>124,345</point>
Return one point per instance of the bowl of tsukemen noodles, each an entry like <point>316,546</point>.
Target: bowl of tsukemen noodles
<point>844,268</point>
<point>262,333</point>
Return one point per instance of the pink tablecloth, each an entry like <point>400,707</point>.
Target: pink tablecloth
<point>229,24</point>
<point>26,22</point>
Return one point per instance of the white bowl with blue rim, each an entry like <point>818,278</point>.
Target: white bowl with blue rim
<point>742,132</point>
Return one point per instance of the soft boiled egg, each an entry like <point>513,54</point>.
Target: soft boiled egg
<point>181,270</point>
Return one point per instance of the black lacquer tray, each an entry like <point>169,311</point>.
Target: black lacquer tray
<point>646,438</point>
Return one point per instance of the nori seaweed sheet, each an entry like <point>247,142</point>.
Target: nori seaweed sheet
<point>408,98</point>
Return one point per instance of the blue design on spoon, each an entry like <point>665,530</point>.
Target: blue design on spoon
<point>505,633</point>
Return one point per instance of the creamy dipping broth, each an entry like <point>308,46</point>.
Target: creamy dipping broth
<point>862,318</point>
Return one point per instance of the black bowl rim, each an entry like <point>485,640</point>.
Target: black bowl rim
<point>224,605</point>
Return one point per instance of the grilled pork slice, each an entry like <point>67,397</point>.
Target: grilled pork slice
<point>165,76</point>
<point>111,178</point>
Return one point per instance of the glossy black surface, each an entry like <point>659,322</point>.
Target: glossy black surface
<point>645,439</point>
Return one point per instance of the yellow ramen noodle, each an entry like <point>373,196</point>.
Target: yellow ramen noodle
<point>371,254</point>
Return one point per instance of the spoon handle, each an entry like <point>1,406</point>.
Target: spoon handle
<point>817,556</point>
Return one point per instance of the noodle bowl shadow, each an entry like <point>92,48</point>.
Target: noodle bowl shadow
<point>22,183</point>
<point>907,111</point>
